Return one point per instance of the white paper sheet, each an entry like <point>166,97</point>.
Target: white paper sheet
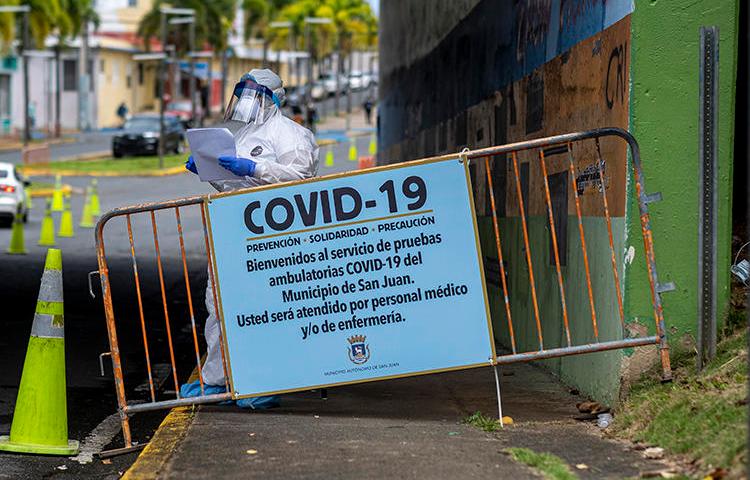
<point>207,145</point>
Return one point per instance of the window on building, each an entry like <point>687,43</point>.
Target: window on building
<point>140,74</point>
<point>70,75</point>
<point>128,75</point>
<point>101,66</point>
<point>115,72</point>
<point>132,3</point>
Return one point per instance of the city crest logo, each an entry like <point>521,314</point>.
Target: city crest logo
<point>359,351</point>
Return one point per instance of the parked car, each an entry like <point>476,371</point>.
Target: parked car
<point>140,136</point>
<point>183,110</point>
<point>359,80</point>
<point>295,96</point>
<point>329,83</point>
<point>319,91</point>
<point>12,194</point>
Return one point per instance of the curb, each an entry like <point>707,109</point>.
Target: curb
<point>79,173</point>
<point>47,192</point>
<point>165,441</point>
<point>19,145</point>
<point>157,453</point>
<point>85,156</point>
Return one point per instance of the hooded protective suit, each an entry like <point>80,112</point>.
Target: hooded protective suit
<point>282,151</point>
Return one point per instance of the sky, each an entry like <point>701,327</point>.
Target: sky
<point>375,4</point>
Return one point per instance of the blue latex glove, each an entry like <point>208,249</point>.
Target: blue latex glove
<point>193,389</point>
<point>259,403</point>
<point>238,165</point>
<point>190,165</point>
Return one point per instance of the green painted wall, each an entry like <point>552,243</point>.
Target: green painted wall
<point>664,120</point>
<point>594,374</point>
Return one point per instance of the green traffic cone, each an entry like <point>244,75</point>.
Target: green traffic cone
<point>47,233</point>
<point>66,220</point>
<point>17,246</point>
<point>27,199</point>
<point>40,418</point>
<point>373,149</point>
<point>87,220</point>
<point>95,208</point>
<point>352,151</point>
<point>329,157</point>
<point>57,195</point>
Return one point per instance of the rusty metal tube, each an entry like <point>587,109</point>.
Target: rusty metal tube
<point>179,402</point>
<point>609,232</point>
<point>583,242</point>
<point>164,304</point>
<point>190,300</point>
<point>213,291</point>
<point>575,350</point>
<point>109,315</point>
<point>528,251</point>
<point>553,233</point>
<point>140,309</point>
<point>503,281</point>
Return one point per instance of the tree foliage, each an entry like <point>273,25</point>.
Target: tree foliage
<point>213,22</point>
<point>46,17</point>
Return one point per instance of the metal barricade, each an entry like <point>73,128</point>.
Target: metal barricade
<point>558,144</point>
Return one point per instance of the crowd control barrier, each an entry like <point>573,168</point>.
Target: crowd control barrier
<point>538,150</point>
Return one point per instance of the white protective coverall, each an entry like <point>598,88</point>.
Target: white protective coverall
<point>284,151</point>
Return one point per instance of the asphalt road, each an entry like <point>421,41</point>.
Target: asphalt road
<point>91,397</point>
<point>101,141</point>
<point>85,143</point>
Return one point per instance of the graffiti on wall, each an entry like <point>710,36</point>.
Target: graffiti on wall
<point>506,41</point>
<point>615,88</point>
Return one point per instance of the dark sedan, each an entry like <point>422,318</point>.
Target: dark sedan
<point>140,136</point>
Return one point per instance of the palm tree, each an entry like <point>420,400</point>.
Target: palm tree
<point>7,26</point>
<point>352,20</point>
<point>76,13</point>
<point>258,16</point>
<point>213,21</point>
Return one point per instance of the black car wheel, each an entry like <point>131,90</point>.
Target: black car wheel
<point>116,153</point>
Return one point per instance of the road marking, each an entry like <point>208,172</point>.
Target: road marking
<point>99,437</point>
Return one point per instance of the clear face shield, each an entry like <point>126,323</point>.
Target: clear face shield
<point>250,103</point>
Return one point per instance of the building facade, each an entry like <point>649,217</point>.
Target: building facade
<point>475,73</point>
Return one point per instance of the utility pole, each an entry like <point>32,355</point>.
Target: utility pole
<point>308,44</point>
<point>58,95</point>
<point>224,66</point>
<point>339,68</point>
<point>349,92</point>
<point>162,85</point>
<point>163,13</point>
<point>191,45</point>
<point>308,90</point>
<point>24,47</point>
<point>192,73</point>
<point>26,119</point>
<point>291,46</point>
<point>83,79</point>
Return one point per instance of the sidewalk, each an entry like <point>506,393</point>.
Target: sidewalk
<point>333,128</point>
<point>407,428</point>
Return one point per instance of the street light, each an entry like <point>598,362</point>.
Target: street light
<point>164,13</point>
<point>285,24</point>
<point>25,9</point>
<point>191,45</point>
<point>308,94</point>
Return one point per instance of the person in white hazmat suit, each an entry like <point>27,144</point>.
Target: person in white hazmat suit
<point>271,148</point>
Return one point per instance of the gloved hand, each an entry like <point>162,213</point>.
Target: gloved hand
<point>190,165</point>
<point>238,165</point>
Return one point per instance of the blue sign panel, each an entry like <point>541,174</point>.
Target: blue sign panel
<point>351,278</point>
